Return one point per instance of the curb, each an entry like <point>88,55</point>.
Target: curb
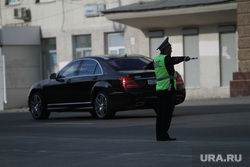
<point>217,101</point>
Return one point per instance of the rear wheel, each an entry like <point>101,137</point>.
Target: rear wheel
<point>37,107</point>
<point>102,109</point>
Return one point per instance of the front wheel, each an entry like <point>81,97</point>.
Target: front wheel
<point>102,109</point>
<point>37,107</point>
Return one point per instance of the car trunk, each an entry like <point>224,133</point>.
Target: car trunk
<point>144,78</point>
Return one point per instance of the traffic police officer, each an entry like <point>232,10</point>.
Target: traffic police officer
<point>165,87</point>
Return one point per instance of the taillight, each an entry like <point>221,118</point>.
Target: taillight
<point>128,82</point>
<point>179,80</point>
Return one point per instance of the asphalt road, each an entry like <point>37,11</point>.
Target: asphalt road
<point>78,140</point>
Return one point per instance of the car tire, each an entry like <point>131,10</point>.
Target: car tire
<point>37,107</point>
<point>102,109</point>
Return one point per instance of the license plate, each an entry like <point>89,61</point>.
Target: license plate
<point>152,82</point>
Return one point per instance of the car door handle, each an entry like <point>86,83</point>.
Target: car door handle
<point>68,81</point>
<point>95,78</point>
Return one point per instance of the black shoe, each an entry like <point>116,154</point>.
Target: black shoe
<point>166,139</point>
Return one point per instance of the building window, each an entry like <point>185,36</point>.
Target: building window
<point>44,1</point>
<point>192,68</point>
<point>12,2</point>
<point>228,57</point>
<point>49,57</point>
<point>82,46</point>
<point>116,43</point>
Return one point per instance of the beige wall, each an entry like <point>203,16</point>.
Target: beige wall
<point>22,70</point>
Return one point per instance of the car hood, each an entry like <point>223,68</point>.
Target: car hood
<point>39,84</point>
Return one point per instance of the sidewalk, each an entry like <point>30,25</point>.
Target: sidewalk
<point>15,110</point>
<point>217,101</point>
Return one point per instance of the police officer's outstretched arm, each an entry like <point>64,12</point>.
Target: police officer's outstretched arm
<point>186,58</point>
<point>177,60</point>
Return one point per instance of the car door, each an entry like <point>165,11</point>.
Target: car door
<point>89,73</point>
<point>59,90</point>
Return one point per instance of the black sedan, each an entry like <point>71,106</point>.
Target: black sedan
<point>100,85</point>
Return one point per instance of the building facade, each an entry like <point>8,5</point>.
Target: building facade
<point>240,85</point>
<point>70,29</point>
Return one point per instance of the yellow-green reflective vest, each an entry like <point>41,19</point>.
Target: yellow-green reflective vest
<point>161,73</point>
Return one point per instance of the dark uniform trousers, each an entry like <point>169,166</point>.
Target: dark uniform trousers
<point>165,108</point>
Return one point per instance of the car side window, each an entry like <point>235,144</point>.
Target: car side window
<point>90,67</point>
<point>69,70</point>
<point>98,69</point>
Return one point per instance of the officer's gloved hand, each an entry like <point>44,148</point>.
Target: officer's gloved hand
<point>186,58</point>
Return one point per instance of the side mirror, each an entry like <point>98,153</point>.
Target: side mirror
<point>53,76</point>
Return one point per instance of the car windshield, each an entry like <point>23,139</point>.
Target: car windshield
<point>126,64</point>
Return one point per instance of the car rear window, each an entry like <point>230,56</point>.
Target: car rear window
<point>125,64</point>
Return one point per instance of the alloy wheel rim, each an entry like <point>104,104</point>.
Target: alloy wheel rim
<point>101,105</point>
<point>36,106</point>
